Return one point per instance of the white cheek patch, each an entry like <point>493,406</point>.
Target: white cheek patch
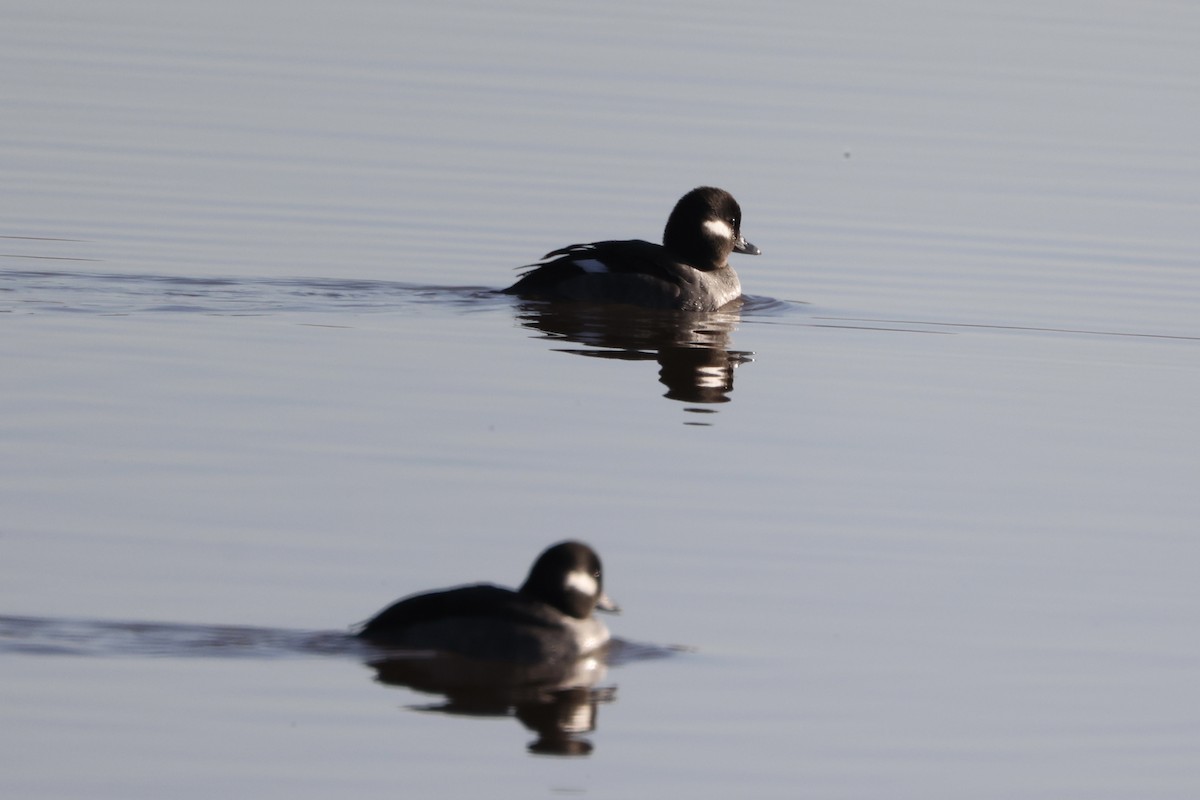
<point>719,228</point>
<point>590,265</point>
<point>583,583</point>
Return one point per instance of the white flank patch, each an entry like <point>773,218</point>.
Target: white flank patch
<point>591,264</point>
<point>719,227</point>
<point>582,582</point>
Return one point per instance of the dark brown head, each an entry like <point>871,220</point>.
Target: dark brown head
<point>705,227</point>
<point>568,577</point>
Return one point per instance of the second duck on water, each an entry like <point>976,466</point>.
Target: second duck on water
<point>689,271</point>
<point>549,619</point>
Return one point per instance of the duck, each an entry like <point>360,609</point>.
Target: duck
<point>689,271</point>
<point>548,619</point>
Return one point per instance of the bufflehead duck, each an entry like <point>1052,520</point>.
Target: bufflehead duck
<point>689,271</point>
<point>548,619</point>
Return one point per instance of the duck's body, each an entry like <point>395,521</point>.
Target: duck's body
<point>548,619</point>
<point>689,271</point>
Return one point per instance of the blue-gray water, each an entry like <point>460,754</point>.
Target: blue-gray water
<point>924,508</point>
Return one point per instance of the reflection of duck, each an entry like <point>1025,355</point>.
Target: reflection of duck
<point>547,621</point>
<point>689,271</point>
<point>558,701</point>
<point>692,350</point>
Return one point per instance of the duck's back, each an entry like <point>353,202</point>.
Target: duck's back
<point>480,621</point>
<point>633,272</point>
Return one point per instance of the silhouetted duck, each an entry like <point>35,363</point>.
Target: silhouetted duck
<point>689,271</point>
<point>548,619</point>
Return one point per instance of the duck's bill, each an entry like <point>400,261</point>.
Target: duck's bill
<point>605,603</point>
<point>740,245</point>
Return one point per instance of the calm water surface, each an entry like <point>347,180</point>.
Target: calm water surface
<point>922,510</point>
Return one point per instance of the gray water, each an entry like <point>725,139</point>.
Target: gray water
<point>922,512</point>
